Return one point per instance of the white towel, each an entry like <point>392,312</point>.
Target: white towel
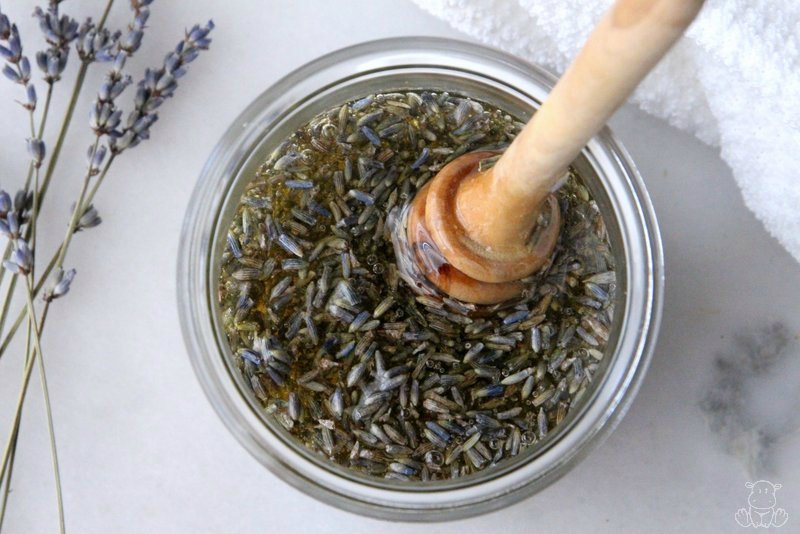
<point>733,80</point>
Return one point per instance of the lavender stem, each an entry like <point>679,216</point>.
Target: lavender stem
<point>46,394</point>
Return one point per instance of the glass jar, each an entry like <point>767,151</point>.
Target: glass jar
<point>395,65</point>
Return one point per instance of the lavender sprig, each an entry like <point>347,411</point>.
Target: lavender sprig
<point>59,32</point>
<point>158,85</point>
<point>18,217</point>
<point>17,67</point>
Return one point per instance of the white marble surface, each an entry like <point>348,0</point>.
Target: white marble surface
<point>142,450</point>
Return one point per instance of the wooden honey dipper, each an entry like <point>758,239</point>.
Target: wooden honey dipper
<point>476,234</point>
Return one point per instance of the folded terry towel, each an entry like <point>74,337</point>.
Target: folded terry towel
<point>733,80</point>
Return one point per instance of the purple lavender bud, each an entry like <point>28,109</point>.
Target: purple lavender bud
<point>126,140</point>
<point>105,54</point>
<point>94,158</point>
<point>5,27</point>
<point>23,201</point>
<point>150,78</point>
<point>166,81</point>
<point>119,62</point>
<point>52,66</point>
<point>153,104</point>
<point>12,225</point>
<point>69,28</point>
<point>60,285</point>
<point>190,56</point>
<point>30,92</point>
<point>5,53</point>
<point>25,67</point>
<point>114,120</point>
<point>21,259</point>
<point>5,203</point>
<point>198,35</point>
<point>104,93</point>
<point>172,62</point>
<point>41,61</point>
<point>120,86</point>
<point>14,44</point>
<point>89,219</point>
<point>11,73</point>
<point>11,267</point>
<point>86,29</point>
<point>144,123</point>
<point>36,150</point>
<point>64,281</point>
<point>132,41</point>
<point>53,62</point>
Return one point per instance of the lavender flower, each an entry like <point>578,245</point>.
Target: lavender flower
<point>30,93</point>
<point>58,31</point>
<point>12,50</point>
<point>10,226</point>
<point>158,85</point>
<point>60,285</point>
<point>21,259</point>
<point>23,201</point>
<point>5,204</point>
<point>5,26</point>
<point>105,116</point>
<point>95,158</point>
<point>89,219</point>
<point>52,63</point>
<point>36,149</point>
<point>13,215</point>
<point>133,39</point>
<point>92,43</point>
<point>18,67</point>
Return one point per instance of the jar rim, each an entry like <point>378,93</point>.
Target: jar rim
<point>643,264</point>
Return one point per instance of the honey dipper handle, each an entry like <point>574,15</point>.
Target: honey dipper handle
<point>627,43</point>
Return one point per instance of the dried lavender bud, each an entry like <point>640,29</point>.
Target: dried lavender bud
<point>52,63</point>
<point>12,74</point>
<point>133,39</point>
<point>92,44</point>
<point>10,226</point>
<point>104,118</point>
<point>5,203</point>
<point>36,149</point>
<point>30,93</point>
<point>23,201</point>
<point>94,159</point>
<point>5,27</point>
<point>21,258</point>
<point>12,50</point>
<point>89,219</point>
<point>59,286</point>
